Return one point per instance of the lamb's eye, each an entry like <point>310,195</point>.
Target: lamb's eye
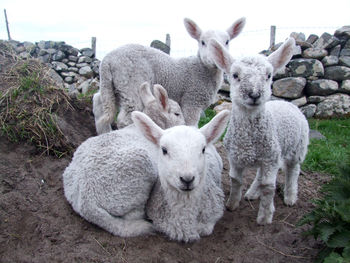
<point>235,76</point>
<point>226,43</point>
<point>177,114</point>
<point>203,150</point>
<point>269,76</point>
<point>203,43</point>
<point>164,150</point>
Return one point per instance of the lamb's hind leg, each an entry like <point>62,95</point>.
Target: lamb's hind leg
<point>267,188</point>
<point>126,226</point>
<point>236,187</point>
<point>254,190</point>
<point>291,183</point>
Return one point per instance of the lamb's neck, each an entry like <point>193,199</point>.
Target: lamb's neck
<point>176,198</point>
<point>251,119</point>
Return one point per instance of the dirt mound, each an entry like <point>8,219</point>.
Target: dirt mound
<point>38,225</point>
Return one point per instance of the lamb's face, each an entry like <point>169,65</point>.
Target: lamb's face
<point>204,52</point>
<point>181,164</point>
<point>250,79</point>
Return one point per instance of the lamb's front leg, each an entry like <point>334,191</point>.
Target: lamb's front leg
<point>253,192</point>
<point>236,174</point>
<point>267,193</point>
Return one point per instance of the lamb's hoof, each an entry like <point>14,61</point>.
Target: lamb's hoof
<point>264,220</point>
<point>231,206</point>
<point>251,196</point>
<point>290,201</point>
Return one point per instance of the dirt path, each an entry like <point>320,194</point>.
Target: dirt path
<point>38,225</point>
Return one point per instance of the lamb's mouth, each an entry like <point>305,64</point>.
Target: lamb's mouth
<point>187,189</point>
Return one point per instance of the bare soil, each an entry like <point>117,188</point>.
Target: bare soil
<point>38,225</point>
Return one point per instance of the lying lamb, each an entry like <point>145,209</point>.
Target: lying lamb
<point>111,176</point>
<point>265,134</point>
<point>191,81</point>
<point>187,199</point>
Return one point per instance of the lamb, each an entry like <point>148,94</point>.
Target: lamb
<point>187,199</point>
<point>265,134</point>
<point>111,176</point>
<point>190,81</point>
<point>166,112</point>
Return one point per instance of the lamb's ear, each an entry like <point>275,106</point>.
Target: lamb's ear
<point>282,55</point>
<point>192,28</point>
<point>236,28</point>
<point>146,94</point>
<point>147,127</point>
<point>222,58</point>
<point>162,96</point>
<point>213,130</point>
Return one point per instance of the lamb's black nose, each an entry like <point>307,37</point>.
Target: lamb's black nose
<point>187,181</point>
<point>254,95</point>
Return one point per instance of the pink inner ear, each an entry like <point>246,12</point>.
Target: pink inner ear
<point>146,129</point>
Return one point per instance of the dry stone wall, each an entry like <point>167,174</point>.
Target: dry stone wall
<point>75,69</point>
<point>317,79</point>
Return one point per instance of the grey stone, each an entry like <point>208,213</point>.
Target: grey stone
<point>336,105</point>
<point>73,58</point>
<point>321,87</point>
<point>315,99</point>
<point>161,46</point>
<point>29,46</point>
<point>80,65</point>
<point>20,49</point>
<point>68,74</point>
<point>282,73</point>
<point>330,61</point>
<point>95,65</point>
<point>87,52</point>
<point>337,73</point>
<point>59,66</point>
<point>86,72</point>
<point>69,80</point>
<point>335,51</point>
<point>309,110</point>
<point>51,51</point>
<point>44,58</point>
<point>65,60</point>
<point>73,69</point>
<point>56,78</point>
<point>43,52</point>
<point>290,88</point>
<point>225,87</point>
<point>24,55</point>
<point>71,64</point>
<point>306,67</point>
<point>343,32</point>
<point>345,52</point>
<point>345,86</point>
<point>58,56</point>
<point>311,39</point>
<point>325,41</point>
<point>316,53</point>
<point>72,90</point>
<point>89,85</point>
<point>344,61</point>
<point>299,102</point>
<point>314,134</point>
<point>84,59</point>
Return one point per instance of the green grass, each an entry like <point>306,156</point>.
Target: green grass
<point>325,155</point>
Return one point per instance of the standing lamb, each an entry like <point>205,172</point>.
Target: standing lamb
<point>265,134</point>
<point>191,81</point>
<point>187,199</point>
<point>111,176</point>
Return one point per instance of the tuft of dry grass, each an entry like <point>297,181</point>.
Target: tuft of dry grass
<point>28,107</point>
